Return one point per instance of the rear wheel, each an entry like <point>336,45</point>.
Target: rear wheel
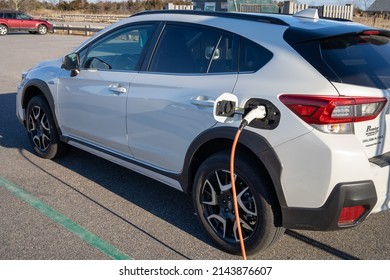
<point>41,129</point>
<point>259,211</point>
<point>3,30</point>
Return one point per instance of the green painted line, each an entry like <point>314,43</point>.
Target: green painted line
<point>70,225</point>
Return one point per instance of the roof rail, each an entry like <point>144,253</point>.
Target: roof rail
<point>243,16</point>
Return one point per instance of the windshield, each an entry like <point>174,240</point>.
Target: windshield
<point>359,59</point>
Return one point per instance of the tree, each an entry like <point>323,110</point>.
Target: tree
<point>153,5</point>
<point>16,4</point>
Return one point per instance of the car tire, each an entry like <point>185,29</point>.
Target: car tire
<point>42,29</point>
<point>3,30</point>
<point>41,129</point>
<point>32,32</point>
<point>259,209</point>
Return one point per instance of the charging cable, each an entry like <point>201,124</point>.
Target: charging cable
<point>258,113</point>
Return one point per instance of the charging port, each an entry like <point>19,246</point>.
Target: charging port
<point>271,121</point>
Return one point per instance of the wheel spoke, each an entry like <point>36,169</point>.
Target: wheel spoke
<point>45,141</point>
<point>37,142</point>
<point>209,195</point>
<point>218,223</point>
<point>246,200</point>
<point>246,228</point>
<point>45,124</point>
<point>31,122</point>
<point>36,112</point>
<point>228,185</point>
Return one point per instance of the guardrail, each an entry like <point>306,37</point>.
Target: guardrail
<point>68,29</point>
<point>82,18</point>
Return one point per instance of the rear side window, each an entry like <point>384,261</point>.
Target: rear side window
<point>185,49</point>
<point>252,56</point>
<point>359,59</point>
<point>10,15</point>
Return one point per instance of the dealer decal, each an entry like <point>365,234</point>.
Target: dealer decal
<point>372,136</point>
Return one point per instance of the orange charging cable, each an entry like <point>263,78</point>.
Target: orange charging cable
<point>257,113</point>
<point>232,179</point>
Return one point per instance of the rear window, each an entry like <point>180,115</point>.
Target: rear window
<point>359,59</point>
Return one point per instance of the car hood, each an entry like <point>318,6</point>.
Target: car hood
<point>49,63</point>
<point>44,70</point>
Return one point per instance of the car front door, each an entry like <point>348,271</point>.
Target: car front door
<point>92,104</point>
<point>25,21</point>
<point>171,102</point>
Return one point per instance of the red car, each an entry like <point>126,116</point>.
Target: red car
<point>18,21</point>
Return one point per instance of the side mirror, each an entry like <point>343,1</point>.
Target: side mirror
<point>71,62</point>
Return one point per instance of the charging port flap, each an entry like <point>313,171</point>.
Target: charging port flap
<point>225,107</point>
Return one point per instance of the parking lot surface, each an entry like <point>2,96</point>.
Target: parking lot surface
<point>83,207</point>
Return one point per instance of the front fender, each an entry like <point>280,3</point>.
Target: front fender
<point>36,87</point>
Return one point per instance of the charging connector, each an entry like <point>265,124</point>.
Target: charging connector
<point>259,112</point>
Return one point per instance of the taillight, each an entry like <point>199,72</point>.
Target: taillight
<point>350,215</point>
<point>333,114</point>
<point>371,32</point>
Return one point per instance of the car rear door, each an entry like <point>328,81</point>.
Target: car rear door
<point>171,102</point>
<point>12,21</point>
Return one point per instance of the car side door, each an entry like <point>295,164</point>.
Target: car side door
<point>12,21</point>
<point>171,102</point>
<point>92,104</point>
<point>25,21</point>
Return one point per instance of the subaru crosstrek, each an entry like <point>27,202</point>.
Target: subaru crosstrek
<point>143,93</point>
<point>18,21</point>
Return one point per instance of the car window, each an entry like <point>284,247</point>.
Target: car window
<point>185,49</point>
<point>24,17</point>
<point>121,50</point>
<point>252,56</point>
<point>224,58</point>
<point>10,15</point>
<point>359,59</point>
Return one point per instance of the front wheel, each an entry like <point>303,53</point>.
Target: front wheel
<point>42,29</point>
<point>259,212</point>
<point>41,129</point>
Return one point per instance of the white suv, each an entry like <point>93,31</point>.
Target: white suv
<point>142,93</point>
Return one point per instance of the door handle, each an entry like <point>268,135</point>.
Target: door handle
<point>117,88</point>
<point>203,101</point>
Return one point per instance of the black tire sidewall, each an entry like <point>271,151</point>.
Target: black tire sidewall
<point>53,149</point>
<point>264,230</point>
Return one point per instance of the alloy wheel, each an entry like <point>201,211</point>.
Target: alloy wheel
<point>217,203</point>
<point>39,128</point>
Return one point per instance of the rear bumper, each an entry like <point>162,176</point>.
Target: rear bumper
<point>326,217</point>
